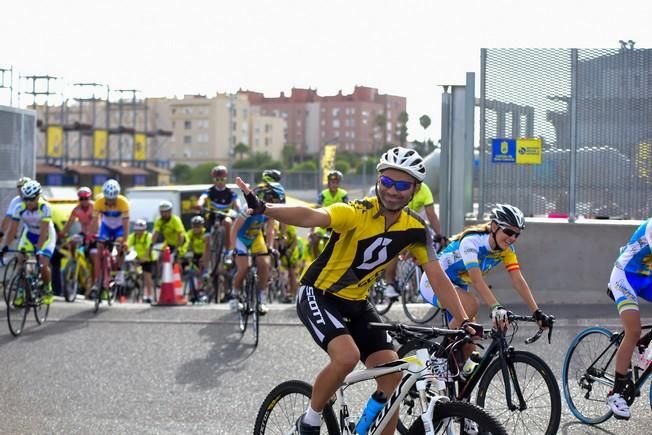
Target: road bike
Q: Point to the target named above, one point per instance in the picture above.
(77, 272)
(194, 280)
(589, 368)
(218, 272)
(516, 386)
(24, 293)
(9, 268)
(286, 402)
(108, 267)
(248, 298)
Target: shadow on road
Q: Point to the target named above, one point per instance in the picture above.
(576, 427)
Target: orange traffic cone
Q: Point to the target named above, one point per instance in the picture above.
(167, 296)
(178, 286)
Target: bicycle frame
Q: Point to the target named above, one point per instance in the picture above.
(418, 370)
(600, 375)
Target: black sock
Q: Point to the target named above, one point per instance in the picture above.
(620, 383)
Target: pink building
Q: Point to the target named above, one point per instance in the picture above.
(351, 121)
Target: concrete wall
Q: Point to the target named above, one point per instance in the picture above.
(565, 262)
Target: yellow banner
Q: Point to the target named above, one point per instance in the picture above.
(55, 141)
(528, 151)
(100, 139)
(140, 147)
(328, 161)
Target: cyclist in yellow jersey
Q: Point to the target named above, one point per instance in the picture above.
(424, 205)
(195, 250)
(111, 216)
(329, 196)
(291, 251)
(332, 297)
(170, 227)
(141, 241)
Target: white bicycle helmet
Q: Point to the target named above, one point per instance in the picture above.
(197, 220)
(403, 159)
(505, 214)
(30, 189)
(165, 206)
(111, 189)
(21, 182)
(140, 224)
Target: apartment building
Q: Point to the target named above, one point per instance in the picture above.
(351, 121)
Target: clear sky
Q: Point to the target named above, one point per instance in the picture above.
(408, 47)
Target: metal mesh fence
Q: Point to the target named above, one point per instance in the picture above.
(592, 110)
(17, 150)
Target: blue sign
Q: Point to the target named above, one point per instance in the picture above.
(503, 150)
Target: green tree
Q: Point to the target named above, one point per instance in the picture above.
(288, 154)
(257, 161)
(402, 129)
(380, 124)
(425, 123)
(181, 173)
(241, 149)
(343, 166)
(305, 166)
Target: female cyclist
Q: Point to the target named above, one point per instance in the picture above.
(477, 250)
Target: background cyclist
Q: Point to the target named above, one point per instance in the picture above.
(222, 198)
(141, 242)
(39, 234)
(196, 246)
(631, 278)
(111, 216)
(170, 227)
(329, 196)
(83, 213)
(254, 234)
(366, 235)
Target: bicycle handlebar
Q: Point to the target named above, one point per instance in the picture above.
(520, 318)
(414, 330)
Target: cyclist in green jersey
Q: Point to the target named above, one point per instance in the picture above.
(329, 196)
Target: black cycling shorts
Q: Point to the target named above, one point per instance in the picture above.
(147, 266)
(327, 316)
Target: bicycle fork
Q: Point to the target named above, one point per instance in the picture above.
(509, 372)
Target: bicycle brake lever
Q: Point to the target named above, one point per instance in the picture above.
(535, 337)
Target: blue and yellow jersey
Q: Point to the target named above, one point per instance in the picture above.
(33, 218)
(112, 215)
(636, 256)
(474, 250)
(252, 227)
(360, 247)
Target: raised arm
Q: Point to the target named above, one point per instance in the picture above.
(297, 215)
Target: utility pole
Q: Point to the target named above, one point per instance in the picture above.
(34, 79)
(84, 128)
(10, 84)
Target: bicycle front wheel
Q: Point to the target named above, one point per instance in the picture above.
(377, 297)
(537, 383)
(7, 277)
(588, 374)
(284, 405)
(41, 310)
(17, 304)
(70, 281)
(416, 308)
(459, 418)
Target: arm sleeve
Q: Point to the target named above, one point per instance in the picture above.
(343, 217)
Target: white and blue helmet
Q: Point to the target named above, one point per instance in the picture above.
(111, 189)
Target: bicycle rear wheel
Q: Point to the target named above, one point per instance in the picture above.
(452, 417)
(284, 405)
(217, 245)
(255, 316)
(17, 304)
(416, 308)
(540, 393)
(588, 374)
(244, 300)
(70, 281)
(377, 297)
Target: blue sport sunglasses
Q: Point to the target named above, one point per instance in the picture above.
(401, 186)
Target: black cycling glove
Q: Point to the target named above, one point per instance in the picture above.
(256, 205)
(545, 319)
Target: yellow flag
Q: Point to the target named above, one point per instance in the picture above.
(100, 139)
(140, 147)
(328, 161)
(55, 141)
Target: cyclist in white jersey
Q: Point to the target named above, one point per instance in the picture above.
(631, 278)
(39, 234)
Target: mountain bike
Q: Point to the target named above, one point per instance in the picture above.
(588, 373)
(77, 271)
(24, 293)
(217, 239)
(133, 271)
(517, 387)
(248, 298)
(287, 401)
(193, 280)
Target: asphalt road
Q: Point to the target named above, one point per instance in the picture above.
(135, 369)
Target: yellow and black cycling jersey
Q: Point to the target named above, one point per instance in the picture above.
(360, 247)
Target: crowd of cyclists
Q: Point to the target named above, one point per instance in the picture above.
(351, 243)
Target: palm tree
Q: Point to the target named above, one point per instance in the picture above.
(241, 149)
(402, 132)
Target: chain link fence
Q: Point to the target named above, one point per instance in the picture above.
(592, 110)
(17, 150)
